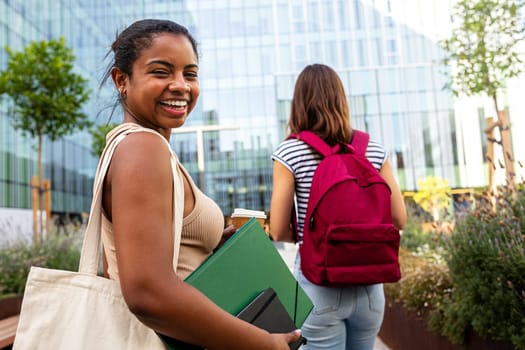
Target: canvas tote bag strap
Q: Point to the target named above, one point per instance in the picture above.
(90, 254)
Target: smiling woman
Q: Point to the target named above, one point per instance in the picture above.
(157, 226)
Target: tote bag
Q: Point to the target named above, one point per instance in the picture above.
(79, 310)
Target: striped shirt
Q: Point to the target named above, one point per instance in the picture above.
(302, 161)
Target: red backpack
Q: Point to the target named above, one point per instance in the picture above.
(348, 236)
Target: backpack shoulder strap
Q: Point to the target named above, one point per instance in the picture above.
(314, 141)
(360, 141)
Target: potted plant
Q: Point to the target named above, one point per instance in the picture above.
(464, 289)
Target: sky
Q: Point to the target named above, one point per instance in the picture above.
(429, 17)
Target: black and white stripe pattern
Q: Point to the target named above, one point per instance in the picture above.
(302, 161)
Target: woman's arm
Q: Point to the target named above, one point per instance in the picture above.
(140, 183)
(282, 203)
(399, 214)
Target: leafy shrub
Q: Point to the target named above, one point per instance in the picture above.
(518, 204)
(15, 262)
(413, 235)
(57, 252)
(407, 261)
(426, 288)
(486, 259)
(425, 283)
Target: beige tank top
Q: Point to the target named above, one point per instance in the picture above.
(202, 230)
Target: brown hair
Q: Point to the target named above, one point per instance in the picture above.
(319, 104)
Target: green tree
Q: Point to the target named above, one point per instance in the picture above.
(98, 134)
(483, 54)
(46, 96)
(433, 195)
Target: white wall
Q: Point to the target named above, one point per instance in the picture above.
(15, 224)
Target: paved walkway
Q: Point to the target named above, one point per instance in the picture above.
(288, 252)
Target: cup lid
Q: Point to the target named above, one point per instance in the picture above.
(240, 212)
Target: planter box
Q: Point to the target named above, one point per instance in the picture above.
(10, 306)
(403, 329)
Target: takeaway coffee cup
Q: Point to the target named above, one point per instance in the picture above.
(241, 216)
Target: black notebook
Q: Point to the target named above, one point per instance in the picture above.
(267, 312)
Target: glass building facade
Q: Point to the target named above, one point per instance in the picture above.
(385, 51)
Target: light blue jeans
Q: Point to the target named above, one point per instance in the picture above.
(346, 318)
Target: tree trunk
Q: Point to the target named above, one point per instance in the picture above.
(489, 131)
(40, 186)
(34, 202)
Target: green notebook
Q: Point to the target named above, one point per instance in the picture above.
(244, 266)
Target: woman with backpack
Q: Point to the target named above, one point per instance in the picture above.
(344, 316)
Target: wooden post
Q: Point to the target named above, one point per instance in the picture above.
(34, 204)
(506, 145)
